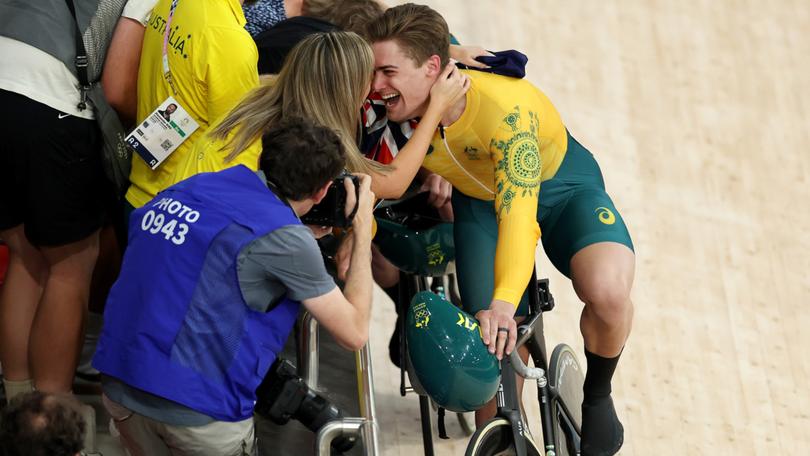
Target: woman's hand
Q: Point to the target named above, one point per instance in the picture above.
(467, 55)
(448, 88)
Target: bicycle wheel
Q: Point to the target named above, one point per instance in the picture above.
(566, 376)
(495, 439)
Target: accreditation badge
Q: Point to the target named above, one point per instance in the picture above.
(162, 132)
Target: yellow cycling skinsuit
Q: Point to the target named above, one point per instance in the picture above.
(508, 141)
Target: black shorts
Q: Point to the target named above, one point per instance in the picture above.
(51, 177)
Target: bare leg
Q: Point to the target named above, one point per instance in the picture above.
(19, 297)
(56, 334)
(603, 276)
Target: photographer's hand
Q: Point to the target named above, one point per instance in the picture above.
(365, 206)
(361, 224)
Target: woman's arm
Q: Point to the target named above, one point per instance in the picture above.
(467, 55)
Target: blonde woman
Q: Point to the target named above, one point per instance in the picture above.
(325, 78)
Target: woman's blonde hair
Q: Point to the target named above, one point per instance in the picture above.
(325, 78)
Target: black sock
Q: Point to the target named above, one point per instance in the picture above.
(602, 433)
(598, 376)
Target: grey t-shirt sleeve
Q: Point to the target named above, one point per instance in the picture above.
(286, 262)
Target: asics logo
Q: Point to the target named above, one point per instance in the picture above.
(605, 215)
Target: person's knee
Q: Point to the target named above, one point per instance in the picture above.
(23, 254)
(74, 260)
(607, 297)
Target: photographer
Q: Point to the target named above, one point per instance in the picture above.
(210, 289)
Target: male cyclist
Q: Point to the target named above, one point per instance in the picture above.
(496, 146)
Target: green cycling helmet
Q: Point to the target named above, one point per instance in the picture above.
(451, 361)
(425, 252)
(412, 236)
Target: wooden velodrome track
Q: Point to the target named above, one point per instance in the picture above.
(698, 113)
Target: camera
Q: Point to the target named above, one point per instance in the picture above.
(331, 211)
(283, 395)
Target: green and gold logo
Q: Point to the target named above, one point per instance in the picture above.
(421, 315)
(435, 255)
(605, 215)
(466, 322)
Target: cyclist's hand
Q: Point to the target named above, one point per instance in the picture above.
(440, 190)
(498, 327)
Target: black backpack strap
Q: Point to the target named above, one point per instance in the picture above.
(81, 59)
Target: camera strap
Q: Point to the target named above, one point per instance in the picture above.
(276, 191)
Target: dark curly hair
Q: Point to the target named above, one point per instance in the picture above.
(40, 424)
(299, 157)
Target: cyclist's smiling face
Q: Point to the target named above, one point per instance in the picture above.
(401, 82)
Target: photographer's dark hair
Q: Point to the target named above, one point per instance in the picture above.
(40, 424)
(299, 157)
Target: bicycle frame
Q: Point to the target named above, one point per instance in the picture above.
(531, 335)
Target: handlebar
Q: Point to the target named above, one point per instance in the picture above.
(525, 332)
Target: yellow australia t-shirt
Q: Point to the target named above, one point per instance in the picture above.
(213, 61)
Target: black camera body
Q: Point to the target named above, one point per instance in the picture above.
(283, 395)
(331, 211)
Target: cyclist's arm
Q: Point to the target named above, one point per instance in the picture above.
(515, 153)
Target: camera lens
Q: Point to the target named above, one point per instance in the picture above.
(283, 395)
(315, 411)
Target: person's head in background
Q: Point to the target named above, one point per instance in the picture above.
(411, 48)
(41, 424)
(349, 15)
(275, 42)
(325, 79)
(296, 179)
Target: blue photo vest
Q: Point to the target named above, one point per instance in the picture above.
(176, 324)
